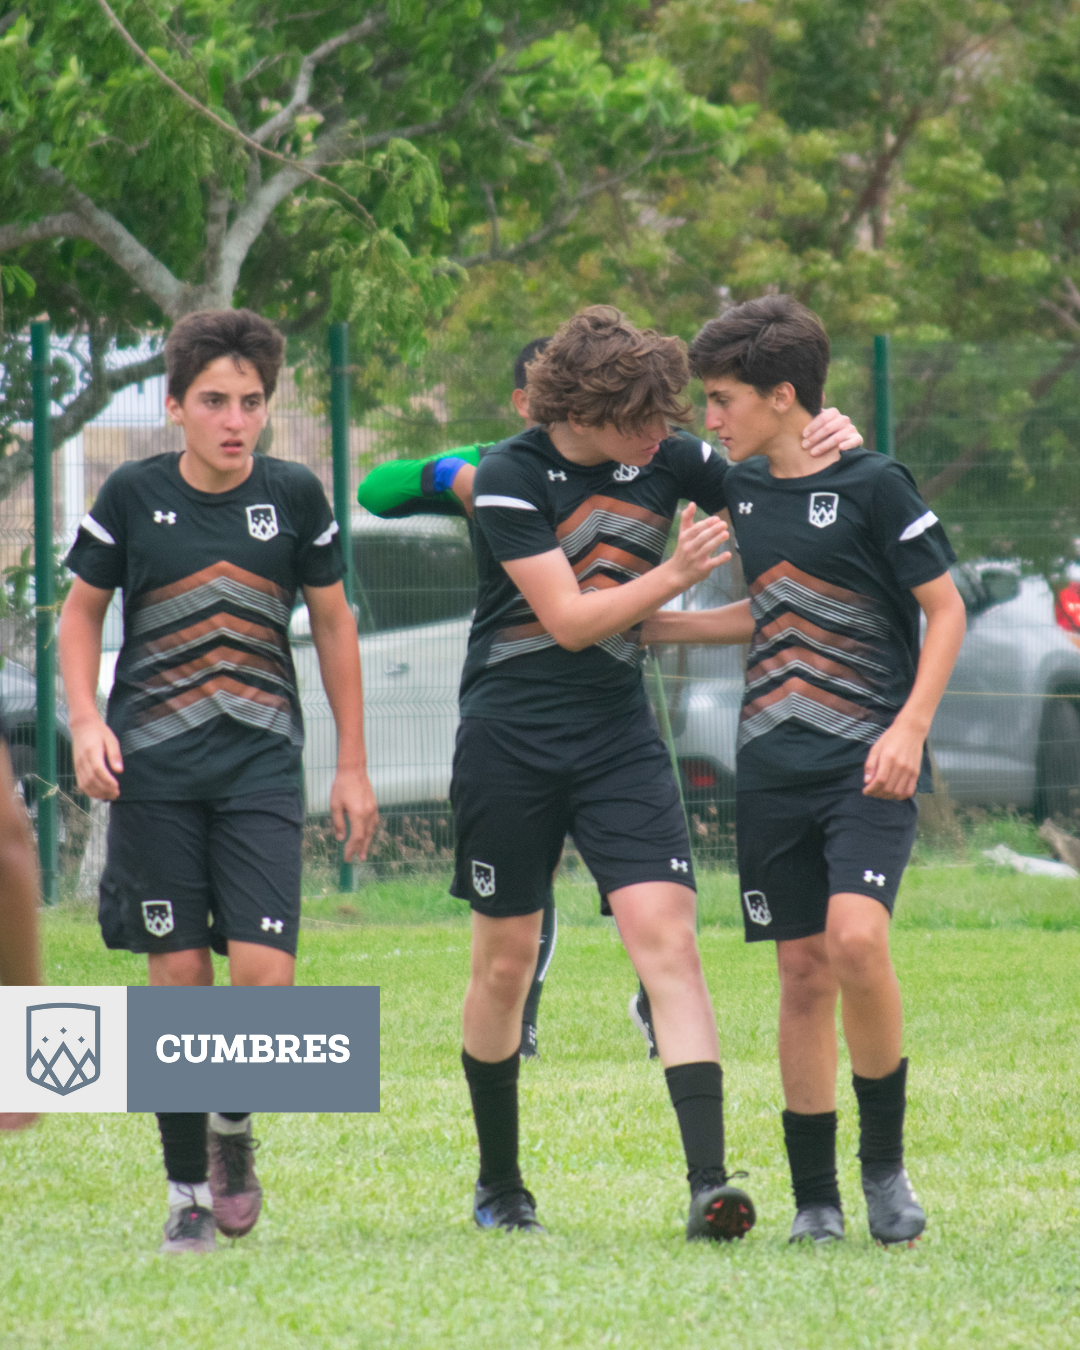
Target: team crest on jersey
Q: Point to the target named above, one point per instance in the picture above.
(757, 907)
(626, 473)
(483, 879)
(62, 1046)
(823, 508)
(262, 522)
(158, 917)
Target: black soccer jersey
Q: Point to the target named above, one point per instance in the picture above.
(612, 521)
(205, 703)
(830, 560)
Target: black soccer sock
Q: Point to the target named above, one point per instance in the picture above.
(881, 1120)
(493, 1089)
(811, 1150)
(548, 933)
(183, 1141)
(697, 1094)
(234, 1115)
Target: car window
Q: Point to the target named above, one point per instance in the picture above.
(404, 580)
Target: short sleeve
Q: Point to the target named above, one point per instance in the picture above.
(511, 510)
(908, 532)
(321, 561)
(700, 471)
(99, 553)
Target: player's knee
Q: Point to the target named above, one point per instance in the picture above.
(805, 977)
(507, 974)
(670, 950)
(186, 967)
(858, 953)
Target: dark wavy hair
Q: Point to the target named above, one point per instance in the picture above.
(204, 336)
(599, 369)
(766, 342)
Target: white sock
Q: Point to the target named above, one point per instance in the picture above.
(222, 1126)
(181, 1192)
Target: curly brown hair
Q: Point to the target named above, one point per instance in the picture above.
(202, 337)
(600, 369)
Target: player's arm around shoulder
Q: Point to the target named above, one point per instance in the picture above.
(406, 487)
(729, 624)
(352, 798)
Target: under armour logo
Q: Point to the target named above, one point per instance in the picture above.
(164, 517)
(680, 865)
(554, 474)
(745, 508)
(878, 878)
(276, 924)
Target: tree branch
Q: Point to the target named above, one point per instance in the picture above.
(302, 88)
(65, 225)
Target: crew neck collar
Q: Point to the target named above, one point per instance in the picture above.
(197, 494)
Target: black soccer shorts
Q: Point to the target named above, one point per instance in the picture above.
(799, 845)
(181, 874)
(518, 790)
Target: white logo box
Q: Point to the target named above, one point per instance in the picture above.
(49, 1033)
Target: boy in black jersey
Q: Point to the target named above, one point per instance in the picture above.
(839, 558)
(556, 734)
(200, 753)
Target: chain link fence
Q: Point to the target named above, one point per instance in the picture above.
(991, 433)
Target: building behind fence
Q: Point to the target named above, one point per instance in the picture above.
(991, 433)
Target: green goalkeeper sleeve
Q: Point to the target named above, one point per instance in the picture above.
(414, 487)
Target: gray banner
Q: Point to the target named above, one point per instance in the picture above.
(279, 1049)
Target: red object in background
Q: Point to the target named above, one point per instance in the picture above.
(1067, 608)
(699, 775)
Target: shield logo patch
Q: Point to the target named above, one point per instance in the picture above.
(262, 522)
(158, 917)
(626, 473)
(62, 1046)
(757, 907)
(483, 879)
(823, 508)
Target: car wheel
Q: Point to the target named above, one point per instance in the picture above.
(1058, 760)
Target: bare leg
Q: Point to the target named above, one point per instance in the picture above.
(807, 1040)
(504, 954)
(857, 941)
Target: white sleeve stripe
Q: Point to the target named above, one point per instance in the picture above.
(90, 525)
(918, 527)
(706, 450)
(326, 535)
(515, 502)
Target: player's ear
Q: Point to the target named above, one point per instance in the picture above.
(520, 399)
(174, 408)
(782, 397)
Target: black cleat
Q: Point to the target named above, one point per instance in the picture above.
(892, 1208)
(818, 1224)
(513, 1210)
(641, 1016)
(190, 1228)
(529, 1049)
(719, 1211)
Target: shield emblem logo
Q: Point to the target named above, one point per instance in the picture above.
(823, 508)
(757, 907)
(483, 879)
(626, 473)
(158, 917)
(62, 1046)
(262, 522)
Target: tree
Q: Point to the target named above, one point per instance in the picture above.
(347, 162)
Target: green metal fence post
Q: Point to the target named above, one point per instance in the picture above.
(883, 411)
(339, 445)
(45, 593)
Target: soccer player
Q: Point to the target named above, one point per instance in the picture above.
(19, 898)
(200, 752)
(557, 737)
(840, 557)
(442, 485)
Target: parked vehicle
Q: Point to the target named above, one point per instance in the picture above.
(18, 701)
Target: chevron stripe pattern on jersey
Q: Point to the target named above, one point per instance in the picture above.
(607, 542)
(818, 657)
(213, 644)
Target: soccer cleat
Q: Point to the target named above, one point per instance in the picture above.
(818, 1224)
(719, 1211)
(513, 1210)
(892, 1208)
(529, 1048)
(641, 1016)
(233, 1183)
(189, 1228)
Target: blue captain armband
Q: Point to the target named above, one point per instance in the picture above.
(446, 470)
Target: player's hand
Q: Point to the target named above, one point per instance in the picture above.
(830, 430)
(892, 766)
(695, 554)
(353, 798)
(17, 1120)
(97, 756)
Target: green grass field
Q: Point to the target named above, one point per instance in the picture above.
(366, 1238)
